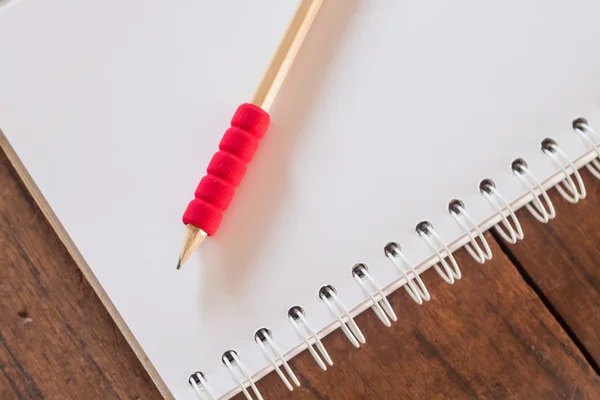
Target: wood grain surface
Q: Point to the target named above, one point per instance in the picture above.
(57, 341)
(562, 260)
(486, 337)
(523, 326)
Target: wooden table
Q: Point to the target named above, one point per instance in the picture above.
(525, 325)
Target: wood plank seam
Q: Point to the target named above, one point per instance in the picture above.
(529, 281)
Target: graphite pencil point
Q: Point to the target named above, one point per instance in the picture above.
(193, 237)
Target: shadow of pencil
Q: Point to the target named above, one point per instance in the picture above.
(230, 255)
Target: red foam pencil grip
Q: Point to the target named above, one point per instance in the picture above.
(227, 168)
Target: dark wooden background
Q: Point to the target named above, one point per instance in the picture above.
(523, 326)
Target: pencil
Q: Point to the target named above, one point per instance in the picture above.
(249, 124)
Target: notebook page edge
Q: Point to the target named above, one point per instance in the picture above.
(85, 269)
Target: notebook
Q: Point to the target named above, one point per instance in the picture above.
(393, 109)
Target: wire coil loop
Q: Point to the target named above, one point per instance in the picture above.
(567, 188)
(458, 212)
(437, 245)
(332, 301)
(381, 306)
(592, 139)
(200, 386)
(511, 232)
(296, 314)
(417, 291)
(231, 359)
(275, 357)
(541, 212)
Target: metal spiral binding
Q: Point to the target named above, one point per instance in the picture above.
(571, 188)
(199, 384)
(231, 359)
(592, 139)
(566, 188)
(438, 245)
(381, 307)
(263, 336)
(541, 212)
(349, 327)
(297, 314)
(418, 292)
(458, 212)
(488, 189)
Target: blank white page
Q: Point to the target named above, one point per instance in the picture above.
(392, 109)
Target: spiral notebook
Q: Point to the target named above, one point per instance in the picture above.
(405, 129)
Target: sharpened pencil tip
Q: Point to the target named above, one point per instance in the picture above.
(193, 237)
